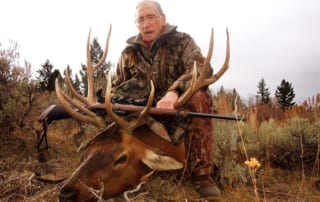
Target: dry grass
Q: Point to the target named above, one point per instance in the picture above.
(19, 161)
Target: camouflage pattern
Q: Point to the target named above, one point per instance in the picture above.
(170, 57)
(200, 135)
(166, 62)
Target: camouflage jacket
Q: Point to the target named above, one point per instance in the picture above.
(169, 57)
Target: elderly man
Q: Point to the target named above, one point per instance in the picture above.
(162, 54)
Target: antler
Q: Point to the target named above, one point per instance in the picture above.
(82, 113)
(129, 126)
(201, 81)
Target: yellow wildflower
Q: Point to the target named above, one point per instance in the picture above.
(253, 164)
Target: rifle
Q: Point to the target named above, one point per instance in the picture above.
(121, 108)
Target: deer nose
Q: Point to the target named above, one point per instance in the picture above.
(68, 195)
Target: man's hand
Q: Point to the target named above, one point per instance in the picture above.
(167, 102)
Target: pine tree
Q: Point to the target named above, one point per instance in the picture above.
(52, 79)
(285, 95)
(263, 94)
(46, 77)
(84, 77)
(77, 83)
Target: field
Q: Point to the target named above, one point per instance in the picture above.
(20, 162)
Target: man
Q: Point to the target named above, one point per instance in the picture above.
(162, 54)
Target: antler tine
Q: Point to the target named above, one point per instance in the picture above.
(74, 108)
(72, 89)
(129, 126)
(202, 81)
(91, 69)
(111, 114)
(90, 80)
(206, 65)
(222, 70)
(136, 122)
(90, 118)
(105, 53)
(225, 65)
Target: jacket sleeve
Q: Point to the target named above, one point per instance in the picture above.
(190, 53)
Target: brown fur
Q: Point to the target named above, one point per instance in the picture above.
(115, 159)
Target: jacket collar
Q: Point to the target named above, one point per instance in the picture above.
(138, 39)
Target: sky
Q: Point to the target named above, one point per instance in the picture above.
(270, 39)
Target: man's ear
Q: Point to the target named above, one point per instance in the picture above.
(163, 20)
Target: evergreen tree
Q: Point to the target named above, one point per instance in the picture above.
(46, 77)
(77, 83)
(285, 95)
(52, 79)
(84, 77)
(263, 94)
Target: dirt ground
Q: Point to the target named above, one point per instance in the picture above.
(19, 167)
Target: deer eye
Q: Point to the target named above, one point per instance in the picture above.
(122, 159)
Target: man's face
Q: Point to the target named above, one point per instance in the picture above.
(149, 22)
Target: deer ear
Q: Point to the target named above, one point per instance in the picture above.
(160, 162)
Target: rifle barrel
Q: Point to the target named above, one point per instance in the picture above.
(168, 112)
(217, 116)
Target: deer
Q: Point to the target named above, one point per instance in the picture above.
(128, 149)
